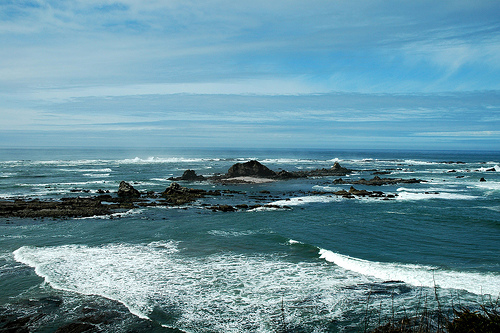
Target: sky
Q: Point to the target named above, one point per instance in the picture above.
(336, 74)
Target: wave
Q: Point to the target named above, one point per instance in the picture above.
(418, 275)
(405, 194)
(297, 201)
(236, 292)
(7, 174)
(232, 233)
(222, 292)
(129, 212)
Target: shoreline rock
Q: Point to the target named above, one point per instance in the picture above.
(188, 175)
(377, 181)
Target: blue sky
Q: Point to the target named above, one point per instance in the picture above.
(296, 74)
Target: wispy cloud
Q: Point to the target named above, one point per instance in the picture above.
(306, 70)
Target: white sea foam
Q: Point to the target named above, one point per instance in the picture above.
(496, 167)
(418, 275)
(96, 175)
(161, 160)
(130, 212)
(87, 170)
(232, 233)
(297, 201)
(405, 194)
(488, 185)
(222, 292)
(7, 174)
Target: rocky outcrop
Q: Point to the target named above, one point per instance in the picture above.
(257, 170)
(46, 314)
(377, 181)
(250, 169)
(188, 175)
(127, 191)
(176, 194)
(67, 207)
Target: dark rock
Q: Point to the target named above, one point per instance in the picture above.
(356, 192)
(249, 169)
(377, 181)
(482, 180)
(222, 208)
(67, 207)
(188, 175)
(242, 206)
(339, 169)
(78, 328)
(283, 174)
(125, 190)
(381, 173)
(176, 194)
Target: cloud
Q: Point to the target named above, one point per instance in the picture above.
(462, 134)
(357, 70)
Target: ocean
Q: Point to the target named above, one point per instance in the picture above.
(320, 263)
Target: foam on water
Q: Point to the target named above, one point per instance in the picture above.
(224, 292)
(418, 275)
(297, 201)
(229, 292)
(161, 160)
(129, 212)
(7, 174)
(232, 233)
(405, 194)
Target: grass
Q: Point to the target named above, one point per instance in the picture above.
(484, 319)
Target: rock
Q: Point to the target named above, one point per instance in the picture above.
(283, 174)
(482, 179)
(125, 190)
(188, 175)
(251, 168)
(356, 192)
(77, 328)
(191, 175)
(67, 207)
(176, 194)
(377, 181)
(336, 168)
(222, 208)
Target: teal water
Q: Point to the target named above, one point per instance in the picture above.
(313, 266)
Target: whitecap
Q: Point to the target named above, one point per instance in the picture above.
(418, 275)
(239, 293)
(405, 194)
(130, 212)
(297, 201)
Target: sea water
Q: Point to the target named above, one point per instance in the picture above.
(320, 264)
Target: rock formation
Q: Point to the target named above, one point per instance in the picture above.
(179, 195)
(188, 175)
(125, 190)
(250, 169)
(377, 181)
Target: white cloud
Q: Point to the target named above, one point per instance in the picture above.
(462, 134)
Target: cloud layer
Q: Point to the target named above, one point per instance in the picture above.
(319, 73)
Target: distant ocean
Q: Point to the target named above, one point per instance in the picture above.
(313, 266)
